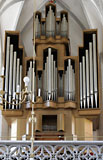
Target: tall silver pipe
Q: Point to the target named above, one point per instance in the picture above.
(52, 83)
(20, 84)
(54, 80)
(87, 78)
(65, 86)
(33, 82)
(44, 85)
(11, 73)
(91, 73)
(57, 28)
(47, 77)
(64, 27)
(14, 76)
(45, 81)
(81, 85)
(7, 68)
(18, 72)
(84, 80)
(17, 79)
(50, 22)
(71, 83)
(69, 80)
(37, 26)
(30, 75)
(95, 69)
(49, 74)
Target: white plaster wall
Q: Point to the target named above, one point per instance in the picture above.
(94, 19)
(26, 37)
(9, 18)
(75, 35)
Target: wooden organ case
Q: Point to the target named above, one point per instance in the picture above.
(63, 81)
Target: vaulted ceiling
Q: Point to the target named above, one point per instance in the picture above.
(83, 14)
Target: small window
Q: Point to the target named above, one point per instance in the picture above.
(49, 122)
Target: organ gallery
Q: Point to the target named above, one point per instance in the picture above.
(64, 90)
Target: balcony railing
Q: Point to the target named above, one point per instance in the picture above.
(52, 150)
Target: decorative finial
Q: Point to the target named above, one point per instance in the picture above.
(52, 1)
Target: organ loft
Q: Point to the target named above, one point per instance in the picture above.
(64, 90)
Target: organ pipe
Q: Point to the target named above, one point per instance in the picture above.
(90, 62)
(20, 84)
(37, 26)
(84, 80)
(50, 77)
(17, 78)
(32, 84)
(69, 79)
(91, 73)
(54, 80)
(52, 84)
(64, 26)
(14, 76)
(81, 86)
(87, 77)
(95, 69)
(7, 68)
(49, 73)
(50, 23)
(11, 73)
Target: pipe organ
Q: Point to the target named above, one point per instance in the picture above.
(64, 24)
(88, 69)
(50, 76)
(37, 27)
(68, 86)
(51, 26)
(69, 79)
(31, 73)
(13, 70)
(50, 21)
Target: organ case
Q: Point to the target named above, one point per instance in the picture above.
(89, 73)
(13, 63)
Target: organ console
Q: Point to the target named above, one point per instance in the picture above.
(68, 86)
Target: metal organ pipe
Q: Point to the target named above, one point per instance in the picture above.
(64, 26)
(87, 77)
(33, 82)
(52, 83)
(20, 84)
(81, 85)
(69, 79)
(32, 77)
(50, 23)
(50, 77)
(37, 26)
(11, 73)
(17, 79)
(91, 73)
(95, 69)
(84, 80)
(57, 28)
(7, 68)
(14, 76)
(54, 79)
